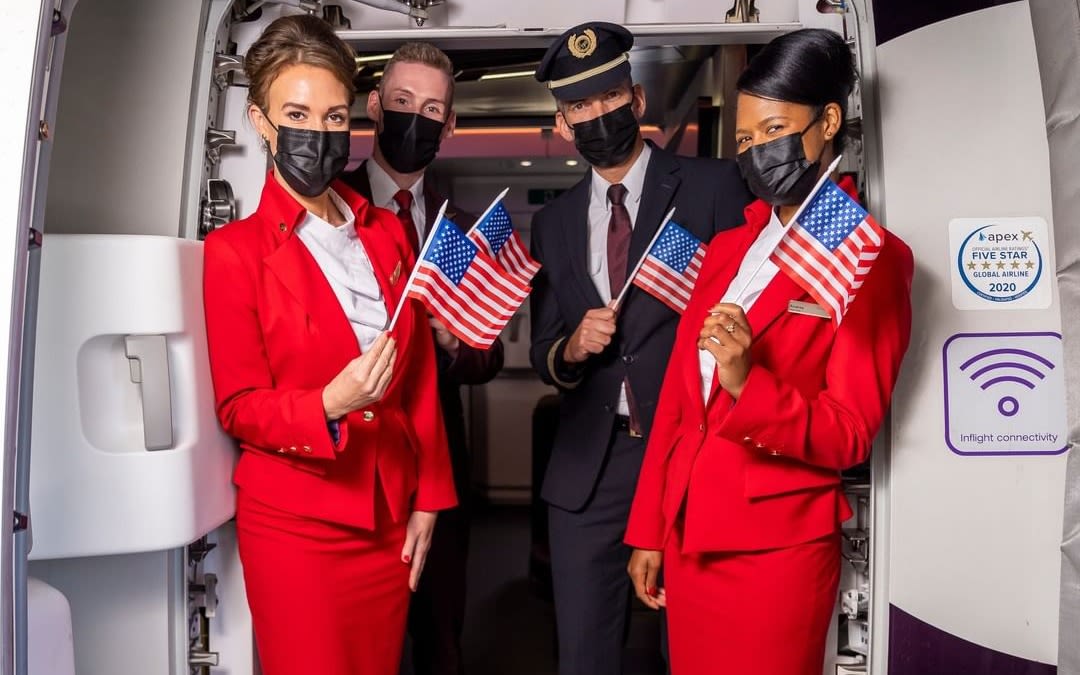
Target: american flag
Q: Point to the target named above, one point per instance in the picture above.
(464, 288)
(495, 235)
(830, 248)
(671, 267)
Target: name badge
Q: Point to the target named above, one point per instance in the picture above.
(807, 308)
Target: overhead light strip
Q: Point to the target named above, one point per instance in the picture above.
(507, 76)
(375, 58)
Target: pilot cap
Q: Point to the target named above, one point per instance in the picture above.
(586, 60)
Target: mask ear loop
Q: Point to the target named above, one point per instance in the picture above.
(817, 118)
(265, 140)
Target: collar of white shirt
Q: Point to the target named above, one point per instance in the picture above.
(633, 181)
(383, 187)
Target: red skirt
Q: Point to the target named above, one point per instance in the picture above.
(762, 612)
(324, 598)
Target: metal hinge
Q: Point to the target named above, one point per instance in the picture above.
(35, 238)
(22, 521)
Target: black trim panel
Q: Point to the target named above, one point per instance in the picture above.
(893, 18)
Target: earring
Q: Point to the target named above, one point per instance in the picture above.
(265, 143)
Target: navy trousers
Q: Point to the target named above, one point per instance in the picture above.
(588, 566)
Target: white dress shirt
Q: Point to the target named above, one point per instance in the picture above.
(755, 273)
(343, 260)
(600, 218)
(383, 189)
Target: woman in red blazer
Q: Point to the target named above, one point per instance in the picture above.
(343, 453)
(739, 495)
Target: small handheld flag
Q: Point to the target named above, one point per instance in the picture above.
(829, 248)
(495, 235)
(463, 287)
(671, 267)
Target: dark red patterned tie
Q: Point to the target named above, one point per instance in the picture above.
(618, 238)
(618, 254)
(404, 214)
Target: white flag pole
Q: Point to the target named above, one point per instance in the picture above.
(412, 275)
(637, 267)
(802, 207)
(489, 210)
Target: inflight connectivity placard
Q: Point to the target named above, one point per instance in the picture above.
(1004, 394)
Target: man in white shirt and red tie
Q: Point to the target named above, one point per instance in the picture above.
(413, 113)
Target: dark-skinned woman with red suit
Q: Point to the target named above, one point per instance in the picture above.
(766, 399)
(343, 457)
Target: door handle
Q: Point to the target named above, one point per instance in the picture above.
(148, 358)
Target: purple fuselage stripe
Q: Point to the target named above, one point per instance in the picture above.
(917, 648)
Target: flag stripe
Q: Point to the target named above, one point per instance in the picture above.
(435, 301)
(672, 300)
(658, 280)
(467, 335)
(676, 305)
(503, 286)
(436, 282)
(798, 248)
(441, 301)
(794, 267)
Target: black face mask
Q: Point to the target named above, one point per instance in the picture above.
(778, 172)
(608, 140)
(409, 141)
(308, 159)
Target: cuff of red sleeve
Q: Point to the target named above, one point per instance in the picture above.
(435, 499)
(646, 533)
(321, 442)
(749, 420)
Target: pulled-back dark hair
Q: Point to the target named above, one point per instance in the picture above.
(812, 66)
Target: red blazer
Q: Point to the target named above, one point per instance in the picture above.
(277, 336)
(764, 471)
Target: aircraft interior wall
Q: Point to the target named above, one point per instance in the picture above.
(973, 531)
(121, 133)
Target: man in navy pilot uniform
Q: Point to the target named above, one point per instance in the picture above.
(607, 365)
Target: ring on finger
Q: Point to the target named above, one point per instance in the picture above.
(730, 328)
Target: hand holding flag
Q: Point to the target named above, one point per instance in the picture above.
(495, 235)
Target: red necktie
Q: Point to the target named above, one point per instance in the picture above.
(618, 254)
(404, 214)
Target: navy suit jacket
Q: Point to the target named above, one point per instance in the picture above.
(709, 196)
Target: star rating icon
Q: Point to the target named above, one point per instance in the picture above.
(1016, 264)
(1030, 265)
(1001, 265)
(971, 266)
(986, 265)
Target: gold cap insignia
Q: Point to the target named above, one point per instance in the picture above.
(582, 45)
